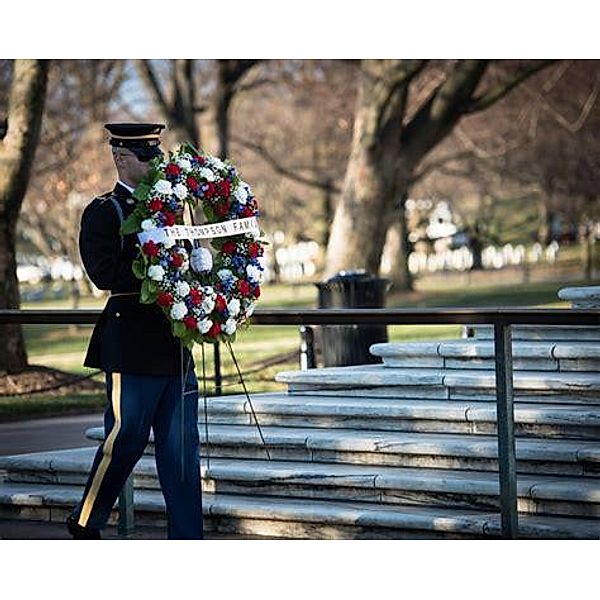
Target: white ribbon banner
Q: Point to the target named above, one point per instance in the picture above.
(199, 232)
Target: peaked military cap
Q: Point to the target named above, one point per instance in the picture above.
(134, 135)
(143, 139)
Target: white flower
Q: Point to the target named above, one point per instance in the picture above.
(184, 164)
(217, 162)
(224, 274)
(250, 308)
(204, 325)
(241, 193)
(262, 261)
(206, 174)
(163, 187)
(182, 288)
(156, 273)
(168, 242)
(201, 260)
(180, 191)
(254, 273)
(233, 307)
(208, 304)
(178, 311)
(148, 224)
(230, 326)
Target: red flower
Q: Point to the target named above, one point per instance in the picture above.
(224, 188)
(257, 291)
(229, 248)
(220, 303)
(155, 204)
(244, 287)
(222, 208)
(247, 212)
(169, 218)
(215, 330)
(254, 250)
(176, 260)
(150, 248)
(172, 170)
(200, 159)
(209, 192)
(165, 299)
(190, 322)
(192, 183)
(195, 296)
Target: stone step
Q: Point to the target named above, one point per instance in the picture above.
(392, 414)
(474, 354)
(553, 333)
(301, 519)
(428, 450)
(378, 381)
(388, 485)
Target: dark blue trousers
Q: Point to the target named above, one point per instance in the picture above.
(137, 403)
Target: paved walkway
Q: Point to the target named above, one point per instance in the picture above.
(54, 433)
(13, 529)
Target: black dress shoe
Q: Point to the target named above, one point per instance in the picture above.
(81, 533)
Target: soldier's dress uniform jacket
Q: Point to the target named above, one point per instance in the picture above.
(129, 337)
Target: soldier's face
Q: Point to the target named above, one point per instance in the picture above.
(129, 166)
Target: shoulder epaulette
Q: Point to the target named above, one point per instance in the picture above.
(104, 197)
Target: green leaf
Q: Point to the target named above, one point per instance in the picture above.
(131, 224)
(148, 292)
(179, 329)
(141, 191)
(139, 267)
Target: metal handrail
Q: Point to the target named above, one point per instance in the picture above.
(348, 316)
(501, 318)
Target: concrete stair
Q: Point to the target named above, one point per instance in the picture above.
(245, 497)
(466, 452)
(380, 381)
(470, 354)
(401, 449)
(279, 409)
(553, 333)
(538, 494)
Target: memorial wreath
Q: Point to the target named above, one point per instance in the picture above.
(205, 298)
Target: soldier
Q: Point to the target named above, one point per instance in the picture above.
(142, 360)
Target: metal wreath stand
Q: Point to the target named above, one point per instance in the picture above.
(184, 376)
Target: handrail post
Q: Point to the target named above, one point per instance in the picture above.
(218, 376)
(507, 462)
(126, 522)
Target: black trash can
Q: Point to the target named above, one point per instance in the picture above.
(344, 345)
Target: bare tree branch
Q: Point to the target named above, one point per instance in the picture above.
(252, 85)
(586, 109)
(500, 90)
(437, 115)
(285, 171)
(148, 75)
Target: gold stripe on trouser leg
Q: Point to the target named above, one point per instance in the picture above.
(108, 446)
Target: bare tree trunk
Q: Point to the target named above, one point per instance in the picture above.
(356, 239)
(26, 105)
(398, 246)
(386, 150)
(586, 238)
(179, 108)
(231, 72)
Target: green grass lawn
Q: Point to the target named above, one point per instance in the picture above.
(64, 347)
